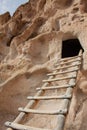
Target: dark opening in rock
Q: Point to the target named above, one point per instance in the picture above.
(71, 48)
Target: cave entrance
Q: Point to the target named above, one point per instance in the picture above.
(71, 48)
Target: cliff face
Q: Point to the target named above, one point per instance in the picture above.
(31, 44)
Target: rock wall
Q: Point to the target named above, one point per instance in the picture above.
(31, 44)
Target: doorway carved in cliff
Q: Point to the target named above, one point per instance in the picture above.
(71, 47)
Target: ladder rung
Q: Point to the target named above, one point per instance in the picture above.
(49, 97)
(58, 79)
(70, 61)
(68, 66)
(21, 127)
(69, 58)
(64, 72)
(43, 111)
(56, 87)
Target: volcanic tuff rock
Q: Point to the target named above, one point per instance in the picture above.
(30, 45)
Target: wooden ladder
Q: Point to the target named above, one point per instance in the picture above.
(73, 65)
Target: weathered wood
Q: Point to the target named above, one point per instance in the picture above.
(69, 58)
(69, 61)
(63, 72)
(61, 122)
(58, 79)
(65, 105)
(21, 127)
(67, 66)
(56, 87)
(55, 112)
(80, 52)
(49, 97)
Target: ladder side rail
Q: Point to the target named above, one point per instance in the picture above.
(66, 104)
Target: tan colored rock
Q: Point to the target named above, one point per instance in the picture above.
(30, 46)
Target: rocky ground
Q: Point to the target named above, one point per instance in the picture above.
(30, 45)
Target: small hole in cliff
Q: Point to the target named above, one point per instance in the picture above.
(71, 48)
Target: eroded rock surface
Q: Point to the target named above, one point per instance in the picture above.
(31, 44)
(4, 18)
